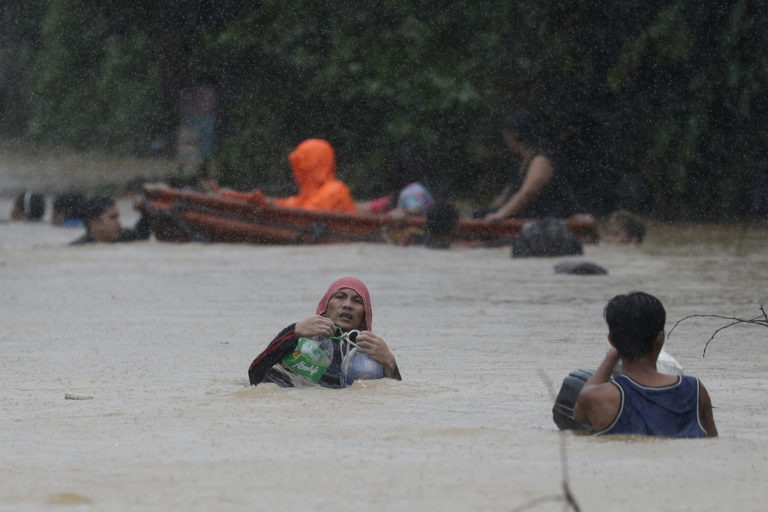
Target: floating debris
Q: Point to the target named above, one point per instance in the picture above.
(580, 268)
(73, 396)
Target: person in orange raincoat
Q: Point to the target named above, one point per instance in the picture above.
(314, 169)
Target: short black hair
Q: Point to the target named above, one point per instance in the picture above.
(634, 321)
(70, 204)
(442, 218)
(95, 206)
(527, 127)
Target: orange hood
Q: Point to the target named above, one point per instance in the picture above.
(314, 170)
(313, 163)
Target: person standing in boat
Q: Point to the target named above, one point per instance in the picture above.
(539, 189)
(344, 312)
(641, 400)
(314, 170)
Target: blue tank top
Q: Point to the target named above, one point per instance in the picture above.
(671, 411)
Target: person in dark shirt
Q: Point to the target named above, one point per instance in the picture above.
(539, 188)
(343, 310)
(641, 400)
(102, 223)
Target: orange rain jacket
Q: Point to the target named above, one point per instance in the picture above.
(314, 169)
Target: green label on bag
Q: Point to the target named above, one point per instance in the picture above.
(308, 360)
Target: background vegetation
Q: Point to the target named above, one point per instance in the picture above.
(665, 97)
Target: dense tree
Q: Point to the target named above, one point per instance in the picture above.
(667, 95)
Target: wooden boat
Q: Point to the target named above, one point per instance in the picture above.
(183, 216)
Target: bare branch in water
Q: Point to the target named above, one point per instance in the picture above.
(733, 320)
(567, 495)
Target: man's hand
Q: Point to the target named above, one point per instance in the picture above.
(314, 326)
(372, 345)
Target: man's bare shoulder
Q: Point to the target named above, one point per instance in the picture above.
(598, 403)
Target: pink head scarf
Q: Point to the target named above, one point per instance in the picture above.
(359, 287)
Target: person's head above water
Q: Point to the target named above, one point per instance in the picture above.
(28, 206)
(348, 303)
(101, 219)
(635, 321)
(622, 227)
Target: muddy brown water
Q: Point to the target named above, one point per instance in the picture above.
(157, 338)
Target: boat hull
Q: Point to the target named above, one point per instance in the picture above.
(183, 216)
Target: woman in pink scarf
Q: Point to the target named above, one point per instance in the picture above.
(345, 307)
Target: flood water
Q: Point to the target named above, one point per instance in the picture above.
(158, 338)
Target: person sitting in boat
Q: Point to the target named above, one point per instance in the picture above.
(641, 400)
(102, 222)
(314, 170)
(407, 195)
(539, 189)
(330, 349)
(28, 206)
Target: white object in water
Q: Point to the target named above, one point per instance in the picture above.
(668, 364)
(359, 366)
(664, 364)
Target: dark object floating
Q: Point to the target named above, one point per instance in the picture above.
(562, 411)
(547, 237)
(583, 268)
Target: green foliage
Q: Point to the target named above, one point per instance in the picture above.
(130, 90)
(673, 92)
(91, 87)
(18, 39)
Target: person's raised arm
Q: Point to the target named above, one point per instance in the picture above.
(590, 396)
(540, 171)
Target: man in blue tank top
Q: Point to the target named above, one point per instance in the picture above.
(642, 400)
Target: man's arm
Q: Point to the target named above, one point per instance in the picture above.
(595, 392)
(286, 342)
(283, 344)
(538, 175)
(705, 412)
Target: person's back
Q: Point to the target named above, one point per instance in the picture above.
(642, 400)
(671, 411)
